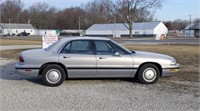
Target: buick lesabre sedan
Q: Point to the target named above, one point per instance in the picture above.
(91, 57)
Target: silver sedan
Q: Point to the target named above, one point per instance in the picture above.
(92, 57)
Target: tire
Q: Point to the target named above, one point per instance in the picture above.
(53, 75)
(148, 74)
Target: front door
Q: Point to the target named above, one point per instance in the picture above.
(111, 61)
(79, 59)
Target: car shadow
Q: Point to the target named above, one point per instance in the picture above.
(105, 79)
(8, 73)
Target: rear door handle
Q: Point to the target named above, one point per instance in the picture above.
(66, 57)
(102, 57)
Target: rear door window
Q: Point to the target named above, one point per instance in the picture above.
(78, 47)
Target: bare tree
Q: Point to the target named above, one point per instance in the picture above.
(129, 10)
(10, 9)
(97, 12)
(144, 16)
(177, 24)
(69, 18)
(23, 16)
(42, 15)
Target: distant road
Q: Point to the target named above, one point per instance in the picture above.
(124, 40)
(169, 41)
(9, 47)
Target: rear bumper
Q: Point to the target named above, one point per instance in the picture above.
(27, 71)
(170, 71)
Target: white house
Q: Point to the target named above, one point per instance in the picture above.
(150, 29)
(13, 28)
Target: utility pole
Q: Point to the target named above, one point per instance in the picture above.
(9, 26)
(0, 16)
(29, 21)
(189, 24)
(1, 32)
(18, 16)
(79, 25)
(114, 35)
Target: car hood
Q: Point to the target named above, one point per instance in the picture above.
(144, 54)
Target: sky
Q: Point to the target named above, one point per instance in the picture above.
(178, 9)
(171, 9)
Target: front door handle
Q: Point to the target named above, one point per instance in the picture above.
(102, 57)
(66, 57)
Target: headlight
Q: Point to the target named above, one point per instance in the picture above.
(173, 63)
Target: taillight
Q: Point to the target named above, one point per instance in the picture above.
(21, 59)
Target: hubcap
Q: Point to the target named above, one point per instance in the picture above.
(53, 76)
(149, 74)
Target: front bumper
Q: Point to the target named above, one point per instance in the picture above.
(27, 71)
(171, 70)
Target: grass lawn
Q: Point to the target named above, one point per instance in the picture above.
(186, 55)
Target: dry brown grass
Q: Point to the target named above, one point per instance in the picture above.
(19, 42)
(11, 54)
(186, 55)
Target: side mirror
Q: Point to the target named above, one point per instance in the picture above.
(117, 54)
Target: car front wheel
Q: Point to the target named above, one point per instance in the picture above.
(53, 75)
(148, 74)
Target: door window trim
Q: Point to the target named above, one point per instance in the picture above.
(90, 41)
(107, 43)
(111, 44)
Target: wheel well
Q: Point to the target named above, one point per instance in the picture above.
(50, 63)
(158, 65)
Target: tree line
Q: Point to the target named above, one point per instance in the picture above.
(43, 16)
(179, 24)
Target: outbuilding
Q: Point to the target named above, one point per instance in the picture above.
(192, 30)
(140, 29)
(14, 29)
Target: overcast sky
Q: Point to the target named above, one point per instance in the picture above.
(171, 10)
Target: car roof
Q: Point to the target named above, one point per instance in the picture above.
(84, 38)
(64, 40)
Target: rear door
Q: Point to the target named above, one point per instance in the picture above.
(112, 61)
(79, 59)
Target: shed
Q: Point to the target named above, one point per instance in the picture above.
(187, 32)
(195, 27)
(13, 28)
(144, 29)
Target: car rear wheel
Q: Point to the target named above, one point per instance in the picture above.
(53, 75)
(148, 74)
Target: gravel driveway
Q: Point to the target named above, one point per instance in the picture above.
(20, 93)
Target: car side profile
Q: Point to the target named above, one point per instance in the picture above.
(93, 57)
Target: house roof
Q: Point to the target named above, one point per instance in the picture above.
(193, 26)
(121, 26)
(196, 26)
(16, 26)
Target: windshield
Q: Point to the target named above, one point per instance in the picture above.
(52, 45)
(122, 47)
